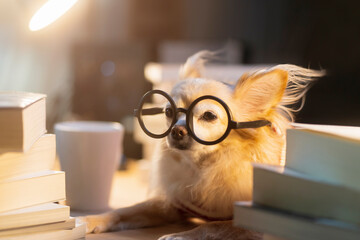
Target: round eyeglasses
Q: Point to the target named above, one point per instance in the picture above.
(208, 118)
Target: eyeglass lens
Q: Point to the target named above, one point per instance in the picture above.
(156, 116)
(208, 120)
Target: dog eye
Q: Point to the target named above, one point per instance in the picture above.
(208, 116)
(169, 112)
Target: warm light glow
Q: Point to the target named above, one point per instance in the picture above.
(153, 72)
(49, 12)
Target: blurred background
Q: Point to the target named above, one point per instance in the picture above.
(91, 60)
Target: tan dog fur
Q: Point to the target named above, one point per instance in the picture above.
(207, 180)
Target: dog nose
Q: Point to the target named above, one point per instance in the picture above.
(178, 132)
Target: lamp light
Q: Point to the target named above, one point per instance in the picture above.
(49, 13)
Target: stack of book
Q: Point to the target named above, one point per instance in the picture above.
(29, 188)
(316, 195)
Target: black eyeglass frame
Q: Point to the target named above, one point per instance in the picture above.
(231, 123)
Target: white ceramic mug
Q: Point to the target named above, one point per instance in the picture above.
(89, 153)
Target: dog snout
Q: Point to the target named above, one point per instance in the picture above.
(178, 132)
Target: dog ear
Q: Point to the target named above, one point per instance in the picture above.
(262, 91)
(195, 64)
(281, 87)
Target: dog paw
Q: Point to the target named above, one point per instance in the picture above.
(97, 223)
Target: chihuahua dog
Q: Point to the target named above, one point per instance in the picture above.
(199, 180)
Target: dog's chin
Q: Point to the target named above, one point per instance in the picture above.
(179, 146)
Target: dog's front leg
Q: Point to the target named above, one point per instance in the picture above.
(215, 231)
(146, 214)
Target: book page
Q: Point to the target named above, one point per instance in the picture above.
(341, 131)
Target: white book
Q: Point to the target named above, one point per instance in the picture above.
(331, 153)
(35, 215)
(40, 157)
(177, 51)
(32, 189)
(285, 189)
(64, 225)
(22, 120)
(157, 73)
(291, 226)
(65, 234)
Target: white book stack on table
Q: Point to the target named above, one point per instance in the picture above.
(316, 195)
(29, 188)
